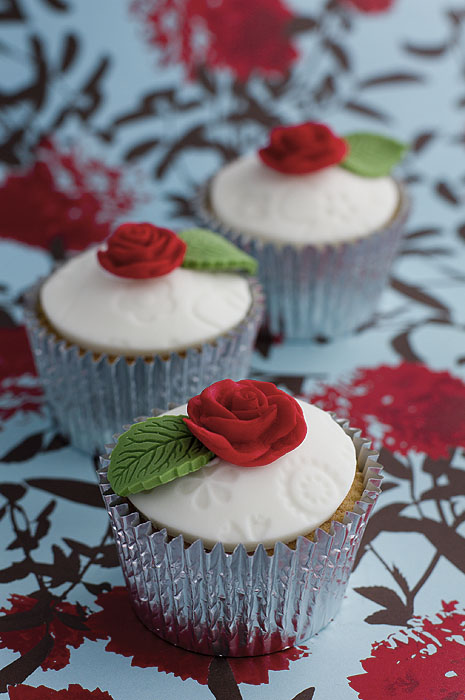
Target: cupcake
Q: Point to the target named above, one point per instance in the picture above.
(324, 218)
(148, 319)
(237, 518)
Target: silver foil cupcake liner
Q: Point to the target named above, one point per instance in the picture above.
(239, 604)
(318, 291)
(91, 396)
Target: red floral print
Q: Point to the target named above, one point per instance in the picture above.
(426, 661)
(254, 670)
(71, 201)
(141, 251)
(64, 636)
(130, 638)
(18, 388)
(406, 407)
(73, 692)
(243, 36)
(370, 5)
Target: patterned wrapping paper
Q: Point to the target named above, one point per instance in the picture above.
(318, 290)
(153, 122)
(91, 396)
(239, 604)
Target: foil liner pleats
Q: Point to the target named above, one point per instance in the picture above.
(239, 604)
(91, 396)
(318, 291)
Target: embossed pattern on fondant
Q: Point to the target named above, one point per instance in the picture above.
(101, 312)
(276, 502)
(329, 206)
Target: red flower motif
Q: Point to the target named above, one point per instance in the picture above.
(301, 149)
(69, 199)
(130, 638)
(370, 5)
(407, 407)
(19, 391)
(73, 692)
(254, 670)
(140, 251)
(247, 423)
(54, 614)
(243, 36)
(426, 661)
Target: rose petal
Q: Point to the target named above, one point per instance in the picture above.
(288, 415)
(211, 401)
(244, 403)
(248, 398)
(238, 431)
(266, 388)
(222, 392)
(221, 447)
(200, 410)
(292, 440)
(249, 415)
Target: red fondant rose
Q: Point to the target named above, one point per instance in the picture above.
(301, 149)
(247, 423)
(140, 251)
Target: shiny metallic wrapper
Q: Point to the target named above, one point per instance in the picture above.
(239, 604)
(318, 291)
(91, 396)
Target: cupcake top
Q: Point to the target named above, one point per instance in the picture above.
(149, 291)
(309, 186)
(262, 467)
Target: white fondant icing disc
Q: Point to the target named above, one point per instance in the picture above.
(329, 206)
(278, 502)
(105, 313)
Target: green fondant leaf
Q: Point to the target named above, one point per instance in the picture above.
(372, 155)
(154, 452)
(210, 251)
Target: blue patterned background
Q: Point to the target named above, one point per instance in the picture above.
(87, 77)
